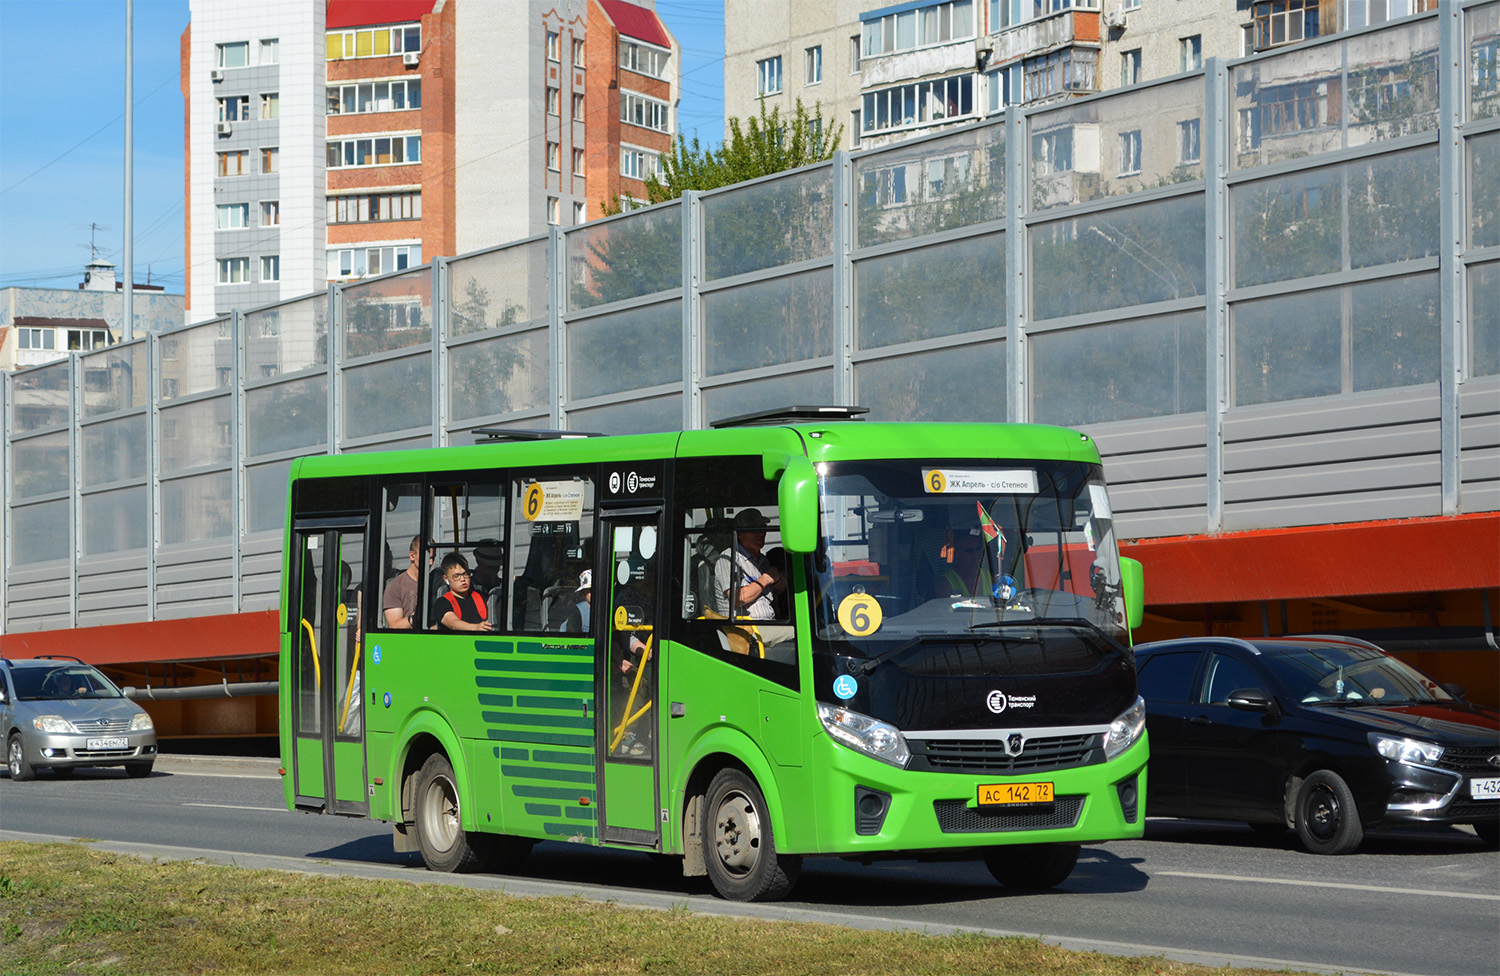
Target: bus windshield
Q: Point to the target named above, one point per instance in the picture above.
(914, 549)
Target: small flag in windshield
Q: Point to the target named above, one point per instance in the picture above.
(995, 541)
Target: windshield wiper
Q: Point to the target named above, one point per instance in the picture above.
(1072, 623)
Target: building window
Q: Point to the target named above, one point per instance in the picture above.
(270, 213)
(643, 59)
(578, 163)
(645, 112)
(1069, 70)
(579, 213)
(397, 95)
(554, 101)
(768, 76)
(370, 207)
(1284, 21)
(907, 29)
(236, 108)
(577, 105)
(813, 64)
(554, 157)
(1052, 152)
(234, 163)
(270, 105)
(86, 339)
(1130, 152)
(578, 51)
(854, 55)
(997, 83)
(1189, 147)
(36, 338)
(356, 262)
(639, 164)
(854, 129)
(1130, 67)
(270, 50)
(374, 151)
(233, 216)
(942, 99)
(552, 52)
(1192, 52)
(270, 160)
(235, 55)
(234, 271)
(270, 267)
(1131, 5)
(554, 210)
(378, 42)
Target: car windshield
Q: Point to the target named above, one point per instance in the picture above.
(63, 681)
(1016, 556)
(1350, 674)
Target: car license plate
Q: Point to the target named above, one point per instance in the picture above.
(1014, 794)
(117, 742)
(1485, 789)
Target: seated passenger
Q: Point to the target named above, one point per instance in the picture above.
(463, 607)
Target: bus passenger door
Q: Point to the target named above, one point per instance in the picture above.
(328, 678)
(626, 670)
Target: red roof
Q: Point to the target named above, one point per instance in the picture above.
(636, 22)
(363, 13)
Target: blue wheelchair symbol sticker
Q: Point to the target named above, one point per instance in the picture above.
(845, 687)
(375, 654)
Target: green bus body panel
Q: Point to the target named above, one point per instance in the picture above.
(636, 783)
(307, 776)
(349, 771)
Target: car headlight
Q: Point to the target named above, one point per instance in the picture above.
(54, 723)
(1411, 751)
(874, 738)
(1125, 730)
(141, 722)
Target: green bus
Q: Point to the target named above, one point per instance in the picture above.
(795, 634)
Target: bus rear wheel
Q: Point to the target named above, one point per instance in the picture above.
(738, 847)
(445, 845)
(1032, 866)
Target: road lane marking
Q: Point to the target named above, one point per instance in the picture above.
(1329, 884)
(232, 806)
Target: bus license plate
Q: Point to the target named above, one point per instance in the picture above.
(1014, 794)
(1485, 789)
(114, 743)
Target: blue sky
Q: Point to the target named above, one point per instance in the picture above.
(62, 130)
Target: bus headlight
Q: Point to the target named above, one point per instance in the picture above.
(874, 738)
(1125, 730)
(54, 723)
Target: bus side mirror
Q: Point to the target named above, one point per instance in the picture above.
(1133, 579)
(797, 497)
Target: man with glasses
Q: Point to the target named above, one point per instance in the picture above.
(462, 607)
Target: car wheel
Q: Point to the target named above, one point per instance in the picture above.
(20, 769)
(738, 847)
(139, 770)
(444, 843)
(63, 772)
(1489, 832)
(1327, 819)
(1034, 867)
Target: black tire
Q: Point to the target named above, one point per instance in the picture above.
(64, 772)
(738, 847)
(445, 845)
(1489, 832)
(1032, 867)
(139, 770)
(15, 756)
(1327, 819)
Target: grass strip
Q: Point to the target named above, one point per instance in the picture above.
(66, 909)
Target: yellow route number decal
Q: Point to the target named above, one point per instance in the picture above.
(622, 618)
(936, 483)
(859, 614)
(531, 503)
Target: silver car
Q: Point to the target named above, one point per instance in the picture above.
(62, 714)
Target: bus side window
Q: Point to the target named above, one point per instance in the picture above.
(552, 544)
(400, 528)
(467, 520)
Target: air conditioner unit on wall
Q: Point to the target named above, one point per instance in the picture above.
(225, 128)
(411, 58)
(1115, 18)
(216, 75)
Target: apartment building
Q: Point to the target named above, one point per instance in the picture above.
(332, 140)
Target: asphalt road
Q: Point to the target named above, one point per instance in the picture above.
(1425, 901)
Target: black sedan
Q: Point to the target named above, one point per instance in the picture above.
(1324, 735)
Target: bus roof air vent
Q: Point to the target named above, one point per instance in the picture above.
(486, 435)
(790, 415)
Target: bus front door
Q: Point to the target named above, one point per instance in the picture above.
(328, 597)
(626, 670)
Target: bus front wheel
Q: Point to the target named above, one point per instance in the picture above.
(445, 845)
(1032, 866)
(738, 847)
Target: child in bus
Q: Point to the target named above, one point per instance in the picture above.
(463, 607)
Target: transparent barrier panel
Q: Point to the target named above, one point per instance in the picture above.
(767, 224)
(287, 416)
(627, 350)
(39, 398)
(286, 338)
(1484, 189)
(498, 288)
(1151, 252)
(39, 465)
(200, 508)
(935, 185)
(625, 257)
(965, 384)
(265, 496)
(1484, 319)
(506, 374)
(388, 396)
(388, 314)
(1116, 145)
(41, 533)
(1482, 25)
(197, 360)
(781, 320)
(115, 450)
(116, 521)
(938, 290)
(1149, 367)
(817, 386)
(1395, 334)
(114, 379)
(195, 434)
(632, 417)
